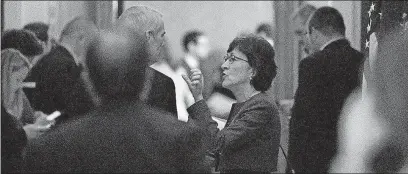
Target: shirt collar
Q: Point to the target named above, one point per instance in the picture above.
(331, 41)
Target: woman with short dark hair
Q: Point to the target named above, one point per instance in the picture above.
(22, 40)
(250, 140)
(18, 48)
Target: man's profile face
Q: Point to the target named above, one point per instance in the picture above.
(300, 30)
(156, 43)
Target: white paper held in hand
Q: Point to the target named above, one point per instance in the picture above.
(53, 115)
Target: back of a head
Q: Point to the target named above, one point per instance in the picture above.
(304, 12)
(265, 28)
(190, 36)
(79, 25)
(40, 29)
(140, 19)
(327, 20)
(116, 61)
(22, 40)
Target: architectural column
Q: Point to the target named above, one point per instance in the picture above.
(100, 12)
(284, 47)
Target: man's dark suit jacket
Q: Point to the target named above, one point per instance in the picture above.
(250, 138)
(58, 84)
(121, 137)
(162, 92)
(326, 78)
(13, 141)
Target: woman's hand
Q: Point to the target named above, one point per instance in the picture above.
(195, 82)
(41, 119)
(39, 127)
(34, 130)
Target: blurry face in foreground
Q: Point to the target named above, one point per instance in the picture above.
(203, 47)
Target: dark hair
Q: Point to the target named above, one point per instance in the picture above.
(266, 28)
(191, 36)
(40, 30)
(21, 40)
(260, 54)
(116, 61)
(327, 20)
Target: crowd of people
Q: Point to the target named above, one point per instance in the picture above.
(117, 101)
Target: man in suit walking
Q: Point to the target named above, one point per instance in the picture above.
(326, 78)
(58, 86)
(122, 134)
(159, 90)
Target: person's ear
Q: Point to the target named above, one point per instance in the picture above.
(310, 30)
(253, 74)
(149, 34)
(81, 38)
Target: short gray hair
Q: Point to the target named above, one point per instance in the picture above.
(141, 19)
(304, 12)
(79, 24)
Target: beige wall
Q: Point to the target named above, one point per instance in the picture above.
(12, 14)
(56, 13)
(221, 20)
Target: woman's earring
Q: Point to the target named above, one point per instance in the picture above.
(252, 76)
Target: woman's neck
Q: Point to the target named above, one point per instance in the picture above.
(242, 94)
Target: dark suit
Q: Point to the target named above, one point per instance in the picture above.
(58, 84)
(162, 92)
(250, 139)
(121, 138)
(13, 141)
(326, 78)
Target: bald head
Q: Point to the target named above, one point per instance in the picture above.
(116, 64)
(79, 26)
(77, 34)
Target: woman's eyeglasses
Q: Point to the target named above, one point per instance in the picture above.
(301, 32)
(232, 58)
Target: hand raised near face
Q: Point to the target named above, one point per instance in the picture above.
(196, 83)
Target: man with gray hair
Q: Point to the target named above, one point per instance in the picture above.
(299, 22)
(159, 90)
